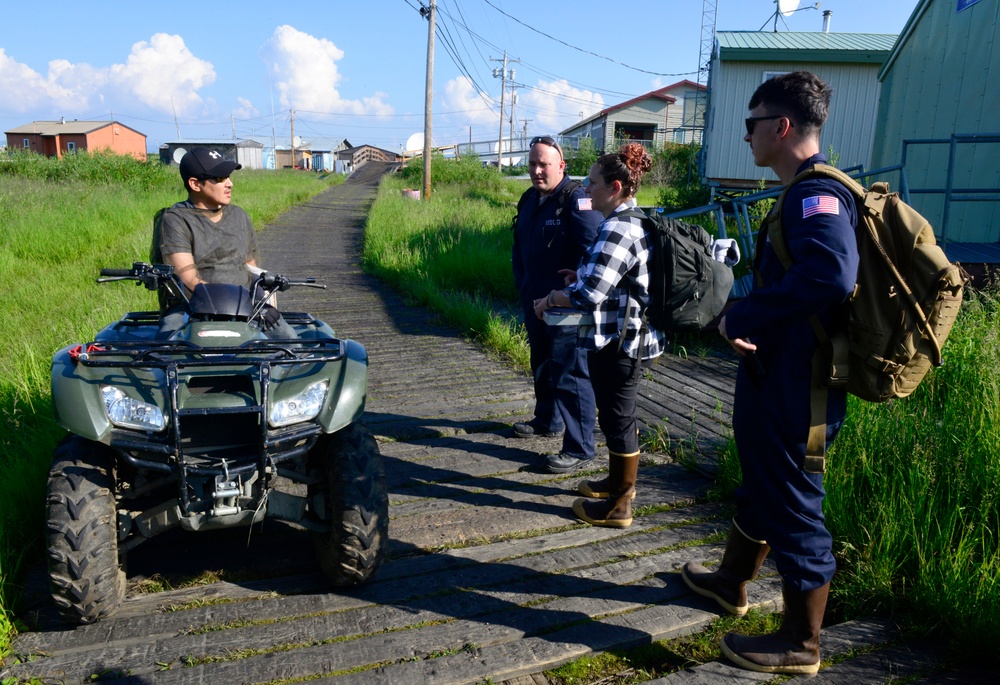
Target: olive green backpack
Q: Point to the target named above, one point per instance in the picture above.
(904, 305)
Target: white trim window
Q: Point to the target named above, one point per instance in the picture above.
(27, 143)
(70, 146)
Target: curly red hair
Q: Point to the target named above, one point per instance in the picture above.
(625, 166)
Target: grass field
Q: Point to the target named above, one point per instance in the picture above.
(61, 221)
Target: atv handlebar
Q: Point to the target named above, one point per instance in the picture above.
(117, 273)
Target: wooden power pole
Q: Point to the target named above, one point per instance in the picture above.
(428, 95)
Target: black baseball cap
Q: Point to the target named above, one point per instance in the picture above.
(202, 163)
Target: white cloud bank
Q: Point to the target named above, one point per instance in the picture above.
(306, 76)
(550, 105)
(160, 74)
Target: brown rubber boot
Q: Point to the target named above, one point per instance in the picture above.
(601, 489)
(794, 648)
(615, 511)
(728, 584)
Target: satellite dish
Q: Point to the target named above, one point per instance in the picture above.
(415, 143)
(179, 154)
(786, 7)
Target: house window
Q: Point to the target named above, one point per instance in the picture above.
(679, 135)
(771, 74)
(27, 142)
(70, 146)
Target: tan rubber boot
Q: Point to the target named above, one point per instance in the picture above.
(601, 489)
(728, 584)
(615, 511)
(794, 648)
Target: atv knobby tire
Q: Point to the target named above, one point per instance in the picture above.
(85, 577)
(356, 505)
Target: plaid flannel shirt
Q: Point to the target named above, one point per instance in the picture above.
(613, 282)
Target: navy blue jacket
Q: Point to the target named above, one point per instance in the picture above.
(548, 238)
(775, 315)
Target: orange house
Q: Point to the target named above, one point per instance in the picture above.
(56, 138)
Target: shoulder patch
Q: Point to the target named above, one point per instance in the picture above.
(583, 204)
(820, 204)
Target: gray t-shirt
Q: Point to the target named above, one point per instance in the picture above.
(220, 249)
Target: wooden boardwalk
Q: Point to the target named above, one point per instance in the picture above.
(490, 578)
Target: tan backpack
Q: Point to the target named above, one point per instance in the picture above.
(905, 302)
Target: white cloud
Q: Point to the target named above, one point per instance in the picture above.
(306, 75)
(246, 110)
(66, 86)
(556, 105)
(461, 99)
(163, 75)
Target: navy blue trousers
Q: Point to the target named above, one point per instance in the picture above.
(564, 397)
(778, 501)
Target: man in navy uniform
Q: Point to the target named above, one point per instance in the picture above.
(779, 505)
(553, 229)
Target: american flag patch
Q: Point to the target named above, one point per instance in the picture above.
(583, 204)
(820, 204)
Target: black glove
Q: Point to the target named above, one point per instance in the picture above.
(269, 317)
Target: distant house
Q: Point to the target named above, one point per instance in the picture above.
(941, 80)
(664, 115)
(325, 153)
(742, 60)
(57, 138)
(245, 152)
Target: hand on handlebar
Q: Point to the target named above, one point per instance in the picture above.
(269, 317)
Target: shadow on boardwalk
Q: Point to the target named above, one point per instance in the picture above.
(489, 577)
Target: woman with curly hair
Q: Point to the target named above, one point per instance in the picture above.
(613, 283)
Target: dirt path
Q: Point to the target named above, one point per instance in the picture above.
(490, 578)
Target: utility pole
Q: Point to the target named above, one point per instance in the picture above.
(503, 75)
(524, 134)
(293, 137)
(428, 12)
(513, 101)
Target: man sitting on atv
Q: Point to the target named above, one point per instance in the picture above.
(207, 239)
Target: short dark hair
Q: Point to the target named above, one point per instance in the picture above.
(801, 96)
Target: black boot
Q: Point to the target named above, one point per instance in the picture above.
(728, 584)
(794, 648)
(615, 511)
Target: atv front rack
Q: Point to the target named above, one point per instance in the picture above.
(258, 357)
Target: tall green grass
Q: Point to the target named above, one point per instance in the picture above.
(452, 252)
(61, 221)
(913, 494)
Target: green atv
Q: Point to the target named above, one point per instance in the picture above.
(197, 429)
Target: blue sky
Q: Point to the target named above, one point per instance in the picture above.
(355, 69)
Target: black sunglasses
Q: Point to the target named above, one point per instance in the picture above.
(545, 140)
(215, 179)
(751, 122)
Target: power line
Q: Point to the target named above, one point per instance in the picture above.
(586, 52)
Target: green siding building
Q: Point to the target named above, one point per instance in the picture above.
(943, 78)
(742, 60)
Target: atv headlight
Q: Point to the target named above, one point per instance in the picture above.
(301, 407)
(128, 413)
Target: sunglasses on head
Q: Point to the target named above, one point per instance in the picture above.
(751, 122)
(545, 140)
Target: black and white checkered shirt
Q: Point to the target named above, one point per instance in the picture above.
(613, 282)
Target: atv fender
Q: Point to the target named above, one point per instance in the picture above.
(348, 389)
(77, 400)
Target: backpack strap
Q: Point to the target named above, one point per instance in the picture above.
(830, 360)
